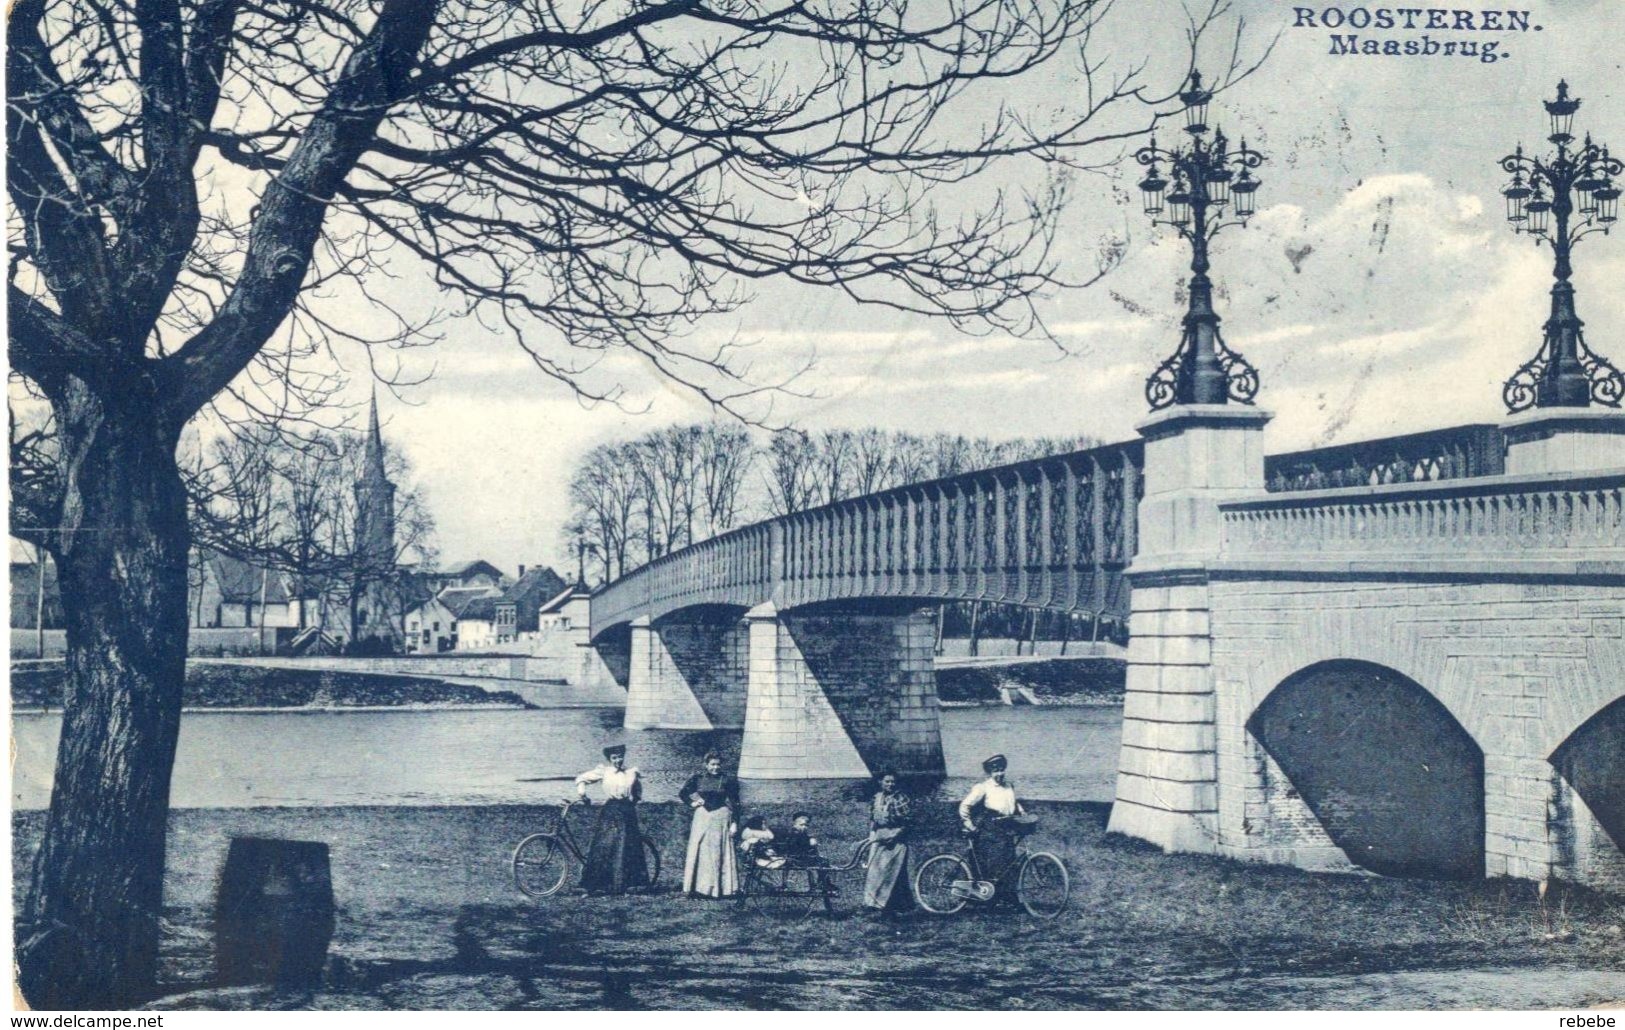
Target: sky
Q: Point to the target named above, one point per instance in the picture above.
(1378, 290)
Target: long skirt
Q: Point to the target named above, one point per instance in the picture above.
(615, 858)
(995, 845)
(709, 867)
(886, 884)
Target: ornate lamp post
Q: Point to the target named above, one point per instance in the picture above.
(1561, 200)
(1204, 178)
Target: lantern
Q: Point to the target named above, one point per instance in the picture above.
(1245, 189)
(1517, 195)
(1562, 111)
(1179, 205)
(1607, 196)
(1539, 209)
(1195, 100)
(1151, 188)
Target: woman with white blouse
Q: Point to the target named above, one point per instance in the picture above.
(615, 857)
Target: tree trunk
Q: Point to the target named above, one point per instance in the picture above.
(265, 576)
(90, 932)
(39, 603)
(975, 628)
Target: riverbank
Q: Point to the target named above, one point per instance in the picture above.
(38, 686)
(428, 919)
(1043, 681)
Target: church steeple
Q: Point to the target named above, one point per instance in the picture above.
(374, 609)
(375, 443)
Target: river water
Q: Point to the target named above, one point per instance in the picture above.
(505, 756)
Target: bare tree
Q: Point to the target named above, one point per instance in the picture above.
(606, 503)
(835, 452)
(791, 472)
(666, 461)
(723, 458)
(590, 177)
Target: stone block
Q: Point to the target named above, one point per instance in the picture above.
(1185, 766)
(1184, 708)
(1171, 795)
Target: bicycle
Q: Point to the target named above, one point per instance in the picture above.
(794, 890)
(944, 884)
(542, 861)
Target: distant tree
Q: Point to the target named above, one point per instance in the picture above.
(834, 452)
(667, 463)
(724, 456)
(606, 505)
(791, 472)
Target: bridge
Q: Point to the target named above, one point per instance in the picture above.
(1403, 655)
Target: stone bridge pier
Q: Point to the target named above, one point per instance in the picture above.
(829, 691)
(840, 691)
(688, 670)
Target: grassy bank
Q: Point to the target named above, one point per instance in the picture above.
(1056, 681)
(428, 919)
(40, 684)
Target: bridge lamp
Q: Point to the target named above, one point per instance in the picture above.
(1207, 182)
(1244, 189)
(1151, 190)
(1516, 194)
(1607, 203)
(1561, 111)
(1195, 99)
(1561, 199)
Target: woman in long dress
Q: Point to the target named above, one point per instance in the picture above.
(709, 869)
(885, 887)
(615, 861)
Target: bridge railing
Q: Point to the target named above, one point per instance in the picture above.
(1054, 532)
(1460, 452)
(1500, 517)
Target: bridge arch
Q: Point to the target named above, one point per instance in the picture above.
(1589, 809)
(1391, 776)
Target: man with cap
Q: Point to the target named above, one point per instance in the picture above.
(615, 860)
(989, 812)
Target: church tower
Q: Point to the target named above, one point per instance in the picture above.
(377, 615)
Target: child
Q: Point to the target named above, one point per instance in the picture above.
(755, 841)
(798, 843)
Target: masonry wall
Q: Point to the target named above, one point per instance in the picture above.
(841, 693)
(1519, 665)
(712, 655)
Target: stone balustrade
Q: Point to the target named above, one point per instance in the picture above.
(1492, 516)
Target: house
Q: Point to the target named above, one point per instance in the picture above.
(26, 599)
(432, 626)
(462, 576)
(564, 609)
(476, 623)
(227, 592)
(519, 606)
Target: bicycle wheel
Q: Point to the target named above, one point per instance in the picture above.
(766, 894)
(540, 865)
(934, 881)
(651, 862)
(1043, 886)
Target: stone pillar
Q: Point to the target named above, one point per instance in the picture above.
(1196, 457)
(584, 665)
(657, 694)
(1564, 440)
(838, 694)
